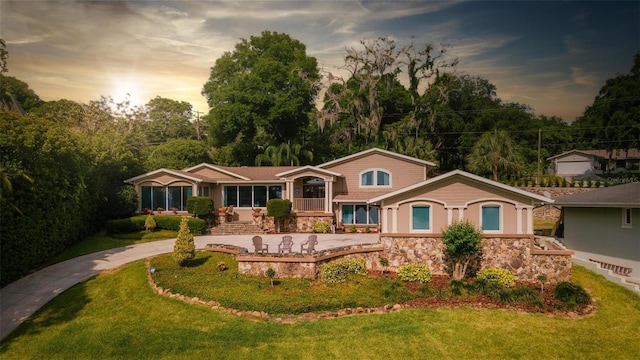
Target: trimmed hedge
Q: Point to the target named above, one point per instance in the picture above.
(200, 206)
(340, 270)
(414, 272)
(165, 222)
(279, 208)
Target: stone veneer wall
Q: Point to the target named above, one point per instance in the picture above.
(300, 223)
(306, 265)
(511, 253)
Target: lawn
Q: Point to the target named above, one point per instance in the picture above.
(117, 315)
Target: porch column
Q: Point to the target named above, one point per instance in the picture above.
(529, 220)
(394, 219)
(461, 214)
(289, 192)
(328, 196)
(449, 215)
(518, 220)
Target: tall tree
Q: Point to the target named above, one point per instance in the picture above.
(611, 122)
(177, 154)
(284, 154)
(169, 119)
(267, 85)
(495, 151)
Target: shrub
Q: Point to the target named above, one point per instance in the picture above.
(184, 248)
(340, 270)
(167, 222)
(564, 182)
(129, 225)
(353, 228)
(149, 223)
(414, 272)
(522, 295)
(279, 209)
(321, 227)
(200, 206)
(462, 242)
(570, 294)
(502, 277)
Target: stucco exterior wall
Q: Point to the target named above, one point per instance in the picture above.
(600, 231)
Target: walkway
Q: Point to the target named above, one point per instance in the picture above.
(22, 298)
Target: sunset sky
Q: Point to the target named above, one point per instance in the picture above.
(551, 55)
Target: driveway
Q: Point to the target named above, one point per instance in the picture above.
(22, 298)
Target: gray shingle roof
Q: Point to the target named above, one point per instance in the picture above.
(627, 195)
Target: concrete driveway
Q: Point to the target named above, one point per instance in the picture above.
(22, 298)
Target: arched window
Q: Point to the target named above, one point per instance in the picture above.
(421, 218)
(491, 218)
(375, 178)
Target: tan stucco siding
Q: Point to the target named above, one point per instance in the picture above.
(459, 199)
(402, 173)
(164, 181)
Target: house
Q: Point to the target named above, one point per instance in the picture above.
(374, 190)
(604, 225)
(594, 162)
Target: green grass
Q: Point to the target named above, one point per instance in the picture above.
(116, 315)
(541, 224)
(287, 296)
(102, 241)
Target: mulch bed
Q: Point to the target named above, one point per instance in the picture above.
(441, 282)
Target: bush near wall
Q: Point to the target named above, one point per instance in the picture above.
(136, 223)
(200, 206)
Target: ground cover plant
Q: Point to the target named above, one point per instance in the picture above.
(117, 316)
(347, 284)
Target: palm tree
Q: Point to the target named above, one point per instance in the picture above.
(494, 151)
(283, 154)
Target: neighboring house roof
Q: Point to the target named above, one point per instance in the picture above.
(379, 151)
(623, 196)
(571, 152)
(178, 173)
(467, 175)
(616, 154)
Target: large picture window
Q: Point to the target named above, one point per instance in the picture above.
(375, 177)
(359, 214)
(251, 196)
(165, 197)
(490, 218)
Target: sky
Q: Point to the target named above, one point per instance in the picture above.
(551, 55)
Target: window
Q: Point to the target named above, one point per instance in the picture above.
(490, 218)
(626, 218)
(177, 197)
(251, 196)
(203, 191)
(381, 177)
(166, 197)
(359, 214)
(421, 218)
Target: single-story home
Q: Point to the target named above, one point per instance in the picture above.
(604, 225)
(594, 162)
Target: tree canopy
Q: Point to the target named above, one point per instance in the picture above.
(260, 94)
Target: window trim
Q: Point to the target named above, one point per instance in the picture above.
(375, 172)
(627, 214)
(421, 231)
(500, 218)
(353, 206)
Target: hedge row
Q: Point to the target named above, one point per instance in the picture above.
(166, 222)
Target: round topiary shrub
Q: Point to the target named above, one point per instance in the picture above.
(414, 273)
(503, 278)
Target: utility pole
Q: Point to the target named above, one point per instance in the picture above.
(539, 161)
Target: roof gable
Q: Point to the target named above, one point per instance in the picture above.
(216, 168)
(314, 169)
(376, 151)
(177, 173)
(469, 176)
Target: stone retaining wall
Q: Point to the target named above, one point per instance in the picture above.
(300, 223)
(512, 253)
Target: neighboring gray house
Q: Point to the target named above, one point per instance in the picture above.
(604, 225)
(594, 162)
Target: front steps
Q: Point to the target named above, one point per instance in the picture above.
(236, 228)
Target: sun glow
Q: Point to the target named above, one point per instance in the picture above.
(126, 89)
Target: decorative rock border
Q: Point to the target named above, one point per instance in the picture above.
(263, 316)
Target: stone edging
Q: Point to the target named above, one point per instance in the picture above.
(263, 316)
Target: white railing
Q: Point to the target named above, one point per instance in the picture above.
(308, 204)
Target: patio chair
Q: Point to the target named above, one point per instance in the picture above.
(257, 243)
(229, 214)
(311, 243)
(285, 244)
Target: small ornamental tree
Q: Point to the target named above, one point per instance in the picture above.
(184, 248)
(462, 242)
(150, 223)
